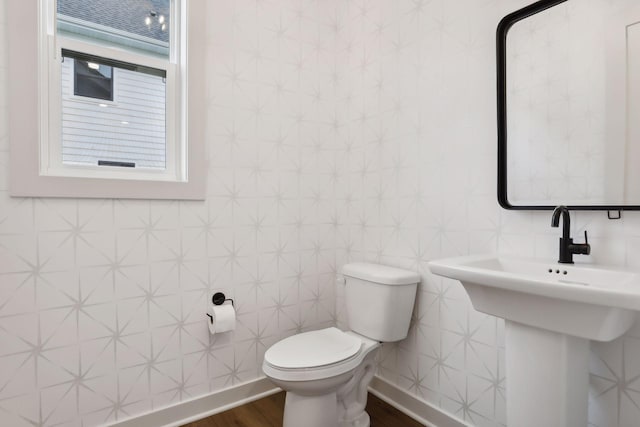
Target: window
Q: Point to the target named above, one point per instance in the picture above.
(91, 79)
(112, 99)
(128, 132)
(121, 52)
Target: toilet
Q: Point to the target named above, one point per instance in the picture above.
(326, 372)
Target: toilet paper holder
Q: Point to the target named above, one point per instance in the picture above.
(218, 299)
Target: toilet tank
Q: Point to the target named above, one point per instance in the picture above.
(379, 300)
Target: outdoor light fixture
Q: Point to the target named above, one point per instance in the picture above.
(153, 15)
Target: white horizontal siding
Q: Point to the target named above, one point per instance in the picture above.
(91, 133)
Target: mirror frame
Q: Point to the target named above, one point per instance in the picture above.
(501, 73)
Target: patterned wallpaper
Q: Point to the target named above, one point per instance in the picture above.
(102, 302)
(338, 130)
(421, 185)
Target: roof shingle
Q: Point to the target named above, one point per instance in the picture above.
(123, 15)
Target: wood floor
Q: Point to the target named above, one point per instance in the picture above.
(267, 412)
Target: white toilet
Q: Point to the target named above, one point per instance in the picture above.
(326, 373)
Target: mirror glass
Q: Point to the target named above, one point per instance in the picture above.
(573, 105)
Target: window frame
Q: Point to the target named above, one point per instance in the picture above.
(50, 142)
(34, 170)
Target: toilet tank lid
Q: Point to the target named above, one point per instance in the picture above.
(378, 273)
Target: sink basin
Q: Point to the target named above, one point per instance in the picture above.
(586, 301)
(551, 312)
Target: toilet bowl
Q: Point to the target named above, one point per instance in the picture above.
(326, 373)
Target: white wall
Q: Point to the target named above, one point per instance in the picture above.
(337, 131)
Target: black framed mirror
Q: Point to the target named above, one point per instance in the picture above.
(568, 96)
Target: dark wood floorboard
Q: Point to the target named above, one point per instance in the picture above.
(267, 412)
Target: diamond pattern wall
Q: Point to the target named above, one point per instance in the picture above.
(337, 130)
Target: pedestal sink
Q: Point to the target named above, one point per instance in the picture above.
(551, 311)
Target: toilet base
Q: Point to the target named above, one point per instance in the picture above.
(362, 420)
(310, 411)
(318, 411)
(352, 397)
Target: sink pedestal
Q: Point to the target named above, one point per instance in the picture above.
(547, 377)
(551, 313)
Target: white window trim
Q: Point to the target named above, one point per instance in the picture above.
(30, 123)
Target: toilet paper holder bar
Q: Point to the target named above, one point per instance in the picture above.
(218, 299)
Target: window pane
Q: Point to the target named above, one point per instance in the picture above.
(93, 80)
(140, 25)
(130, 130)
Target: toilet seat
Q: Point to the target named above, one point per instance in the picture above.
(313, 349)
(316, 355)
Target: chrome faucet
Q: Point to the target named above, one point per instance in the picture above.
(567, 247)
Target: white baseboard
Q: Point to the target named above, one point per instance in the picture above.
(213, 403)
(202, 407)
(417, 409)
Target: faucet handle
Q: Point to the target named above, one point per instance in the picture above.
(585, 247)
